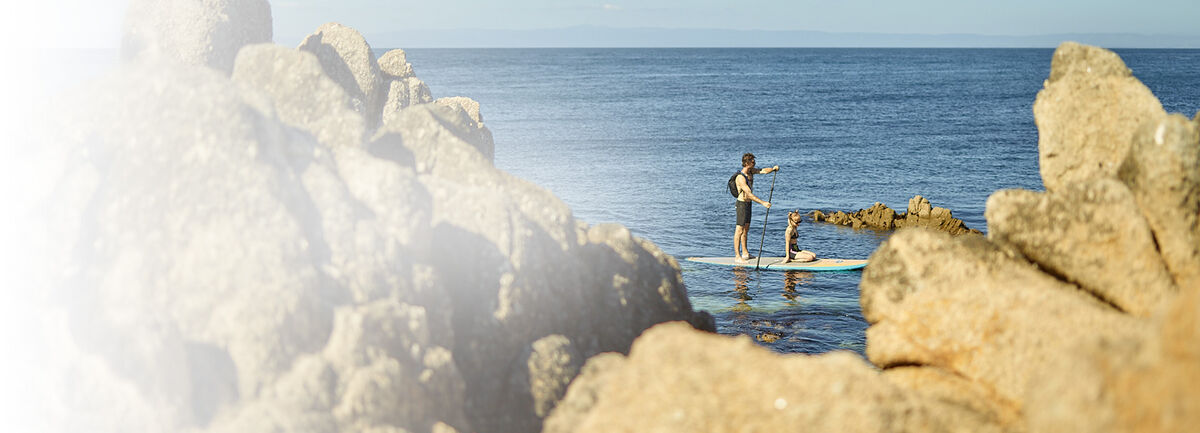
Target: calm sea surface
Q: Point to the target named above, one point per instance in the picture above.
(648, 137)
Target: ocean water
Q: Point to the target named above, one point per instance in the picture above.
(648, 138)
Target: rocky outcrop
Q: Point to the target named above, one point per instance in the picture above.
(232, 254)
(1086, 114)
(347, 59)
(403, 87)
(677, 379)
(1079, 311)
(920, 213)
(195, 32)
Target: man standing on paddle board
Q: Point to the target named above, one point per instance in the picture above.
(745, 188)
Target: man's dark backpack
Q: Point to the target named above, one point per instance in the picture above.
(733, 183)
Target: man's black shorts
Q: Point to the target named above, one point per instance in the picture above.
(743, 212)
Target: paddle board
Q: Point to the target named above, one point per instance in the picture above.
(776, 264)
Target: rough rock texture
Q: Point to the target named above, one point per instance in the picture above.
(195, 32)
(678, 379)
(1086, 114)
(395, 64)
(1163, 171)
(304, 97)
(230, 255)
(968, 307)
(346, 58)
(1087, 234)
(880, 217)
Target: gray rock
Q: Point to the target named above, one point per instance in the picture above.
(303, 96)
(347, 59)
(402, 93)
(1090, 234)
(1086, 114)
(963, 305)
(394, 64)
(1163, 171)
(195, 32)
(480, 136)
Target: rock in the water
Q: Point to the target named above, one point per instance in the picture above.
(1086, 115)
(679, 380)
(195, 32)
(347, 59)
(302, 94)
(963, 305)
(880, 217)
(1163, 171)
(1090, 234)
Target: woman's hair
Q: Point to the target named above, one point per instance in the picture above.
(746, 158)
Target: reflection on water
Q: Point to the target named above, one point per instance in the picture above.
(791, 279)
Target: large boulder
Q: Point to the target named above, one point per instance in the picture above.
(1163, 171)
(966, 306)
(303, 96)
(231, 255)
(195, 32)
(676, 379)
(1086, 114)
(1091, 234)
(346, 58)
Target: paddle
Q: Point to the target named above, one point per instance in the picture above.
(768, 214)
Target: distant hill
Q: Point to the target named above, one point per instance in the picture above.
(655, 37)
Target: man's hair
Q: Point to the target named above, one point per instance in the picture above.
(746, 158)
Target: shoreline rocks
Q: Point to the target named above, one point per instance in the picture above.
(920, 213)
(291, 241)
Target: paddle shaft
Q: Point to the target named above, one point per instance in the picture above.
(758, 259)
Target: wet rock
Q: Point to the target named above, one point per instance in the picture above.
(1089, 234)
(195, 32)
(736, 385)
(1086, 114)
(880, 217)
(963, 305)
(1163, 171)
(347, 59)
(302, 95)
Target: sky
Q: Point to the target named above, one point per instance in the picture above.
(96, 23)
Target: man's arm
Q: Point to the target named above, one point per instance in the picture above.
(768, 170)
(745, 189)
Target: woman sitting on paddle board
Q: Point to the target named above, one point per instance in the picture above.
(791, 249)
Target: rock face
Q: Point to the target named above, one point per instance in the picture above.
(1087, 113)
(195, 32)
(346, 58)
(920, 213)
(234, 254)
(678, 379)
(1080, 311)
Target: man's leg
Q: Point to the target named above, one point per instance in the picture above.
(739, 241)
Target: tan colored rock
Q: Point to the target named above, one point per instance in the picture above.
(394, 64)
(195, 32)
(1090, 234)
(402, 93)
(347, 59)
(1144, 386)
(970, 308)
(1163, 171)
(1086, 114)
(919, 207)
(302, 94)
(962, 401)
(677, 379)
